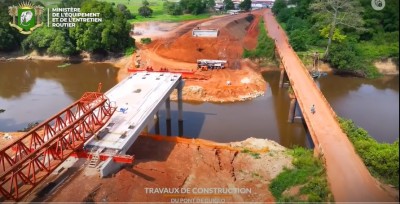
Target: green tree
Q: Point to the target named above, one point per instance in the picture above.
(345, 13)
(228, 5)
(125, 11)
(145, 10)
(193, 6)
(172, 8)
(245, 5)
(49, 40)
(299, 39)
(344, 56)
(210, 4)
(10, 38)
(145, 3)
(61, 45)
(112, 34)
(279, 5)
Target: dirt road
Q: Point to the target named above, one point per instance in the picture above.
(175, 48)
(349, 178)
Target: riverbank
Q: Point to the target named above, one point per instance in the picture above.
(82, 57)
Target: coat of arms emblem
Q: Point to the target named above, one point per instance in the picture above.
(26, 17)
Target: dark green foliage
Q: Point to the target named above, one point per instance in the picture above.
(386, 20)
(173, 8)
(145, 40)
(210, 4)
(299, 39)
(194, 7)
(309, 172)
(265, 46)
(129, 51)
(145, 10)
(360, 48)
(10, 38)
(286, 14)
(279, 5)
(125, 11)
(228, 5)
(381, 159)
(48, 40)
(344, 56)
(111, 35)
(245, 5)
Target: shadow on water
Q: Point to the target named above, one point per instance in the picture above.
(191, 126)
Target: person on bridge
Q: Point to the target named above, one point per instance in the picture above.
(313, 109)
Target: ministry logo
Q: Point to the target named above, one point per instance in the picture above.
(26, 17)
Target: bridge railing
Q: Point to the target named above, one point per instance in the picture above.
(310, 127)
(315, 85)
(309, 76)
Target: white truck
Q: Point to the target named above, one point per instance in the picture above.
(211, 64)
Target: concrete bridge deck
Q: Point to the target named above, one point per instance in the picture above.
(137, 98)
(348, 177)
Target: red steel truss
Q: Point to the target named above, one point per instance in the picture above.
(30, 159)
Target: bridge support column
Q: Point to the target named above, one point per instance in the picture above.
(281, 76)
(180, 103)
(168, 108)
(168, 118)
(180, 107)
(157, 123)
(292, 109)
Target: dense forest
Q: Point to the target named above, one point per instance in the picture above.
(110, 35)
(349, 34)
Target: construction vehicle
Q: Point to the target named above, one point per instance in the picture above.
(210, 64)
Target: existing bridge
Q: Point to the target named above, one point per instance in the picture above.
(349, 178)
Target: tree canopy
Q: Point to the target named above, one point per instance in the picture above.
(110, 35)
(145, 10)
(245, 5)
(334, 13)
(228, 5)
(352, 33)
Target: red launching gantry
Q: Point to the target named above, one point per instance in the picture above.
(29, 160)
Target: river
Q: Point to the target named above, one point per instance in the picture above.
(33, 91)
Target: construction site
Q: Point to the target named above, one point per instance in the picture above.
(103, 137)
(102, 147)
(208, 53)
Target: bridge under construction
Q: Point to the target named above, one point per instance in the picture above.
(100, 127)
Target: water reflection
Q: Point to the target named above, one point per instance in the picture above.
(33, 91)
(371, 103)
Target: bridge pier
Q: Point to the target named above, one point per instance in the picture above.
(180, 108)
(292, 109)
(283, 78)
(180, 103)
(168, 117)
(157, 123)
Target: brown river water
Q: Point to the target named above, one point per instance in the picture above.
(33, 91)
